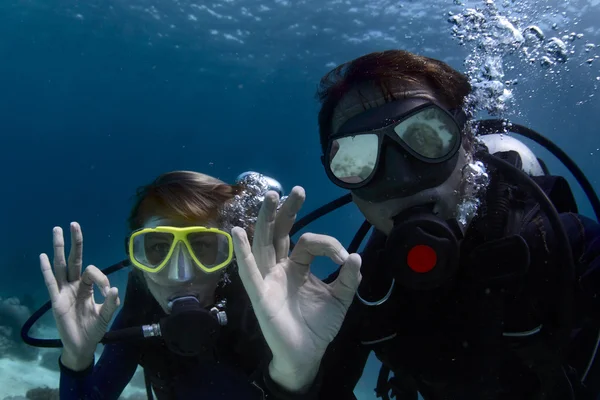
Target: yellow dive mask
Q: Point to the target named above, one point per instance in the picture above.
(151, 249)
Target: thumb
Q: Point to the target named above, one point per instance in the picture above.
(345, 286)
(110, 305)
(247, 269)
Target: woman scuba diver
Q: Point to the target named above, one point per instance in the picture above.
(200, 336)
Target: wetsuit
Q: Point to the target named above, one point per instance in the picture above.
(448, 343)
(231, 373)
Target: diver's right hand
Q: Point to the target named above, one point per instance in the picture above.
(81, 323)
(299, 314)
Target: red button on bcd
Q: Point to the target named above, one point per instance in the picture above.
(421, 258)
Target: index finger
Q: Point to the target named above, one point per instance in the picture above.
(285, 220)
(311, 245)
(76, 254)
(60, 264)
(262, 242)
(49, 278)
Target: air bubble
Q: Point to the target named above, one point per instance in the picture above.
(546, 62)
(557, 50)
(476, 179)
(533, 32)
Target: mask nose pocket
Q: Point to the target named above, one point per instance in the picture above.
(181, 268)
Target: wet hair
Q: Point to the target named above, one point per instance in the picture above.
(190, 196)
(383, 70)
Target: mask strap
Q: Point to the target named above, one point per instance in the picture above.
(460, 117)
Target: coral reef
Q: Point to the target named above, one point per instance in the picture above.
(13, 315)
(49, 359)
(42, 393)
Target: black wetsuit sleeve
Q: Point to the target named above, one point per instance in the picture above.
(272, 391)
(107, 378)
(344, 360)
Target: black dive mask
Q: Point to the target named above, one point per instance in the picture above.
(423, 249)
(396, 150)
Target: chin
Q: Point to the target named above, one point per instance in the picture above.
(381, 214)
(378, 214)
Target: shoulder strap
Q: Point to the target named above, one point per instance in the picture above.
(559, 191)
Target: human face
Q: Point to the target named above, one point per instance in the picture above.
(443, 196)
(181, 277)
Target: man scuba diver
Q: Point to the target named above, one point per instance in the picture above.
(479, 281)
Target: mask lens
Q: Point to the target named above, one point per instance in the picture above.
(210, 248)
(431, 132)
(152, 248)
(352, 158)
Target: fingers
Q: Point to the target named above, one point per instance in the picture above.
(286, 216)
(262, 243)
(110, 305)
(92, 275)
(248, 270)
(346, 284)
(76, 253)
(60, 264)
(49, 277)
(311, 245)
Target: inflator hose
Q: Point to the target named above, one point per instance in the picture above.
(564, 319)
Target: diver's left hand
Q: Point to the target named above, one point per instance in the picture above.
(298, 313)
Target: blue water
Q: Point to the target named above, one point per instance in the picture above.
(99, 97)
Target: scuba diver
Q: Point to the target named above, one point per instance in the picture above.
(186, 318)
(480, 280)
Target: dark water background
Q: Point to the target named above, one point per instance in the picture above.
(98, 98)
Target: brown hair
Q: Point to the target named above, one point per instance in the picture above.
(381, 69)
(181, 194)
